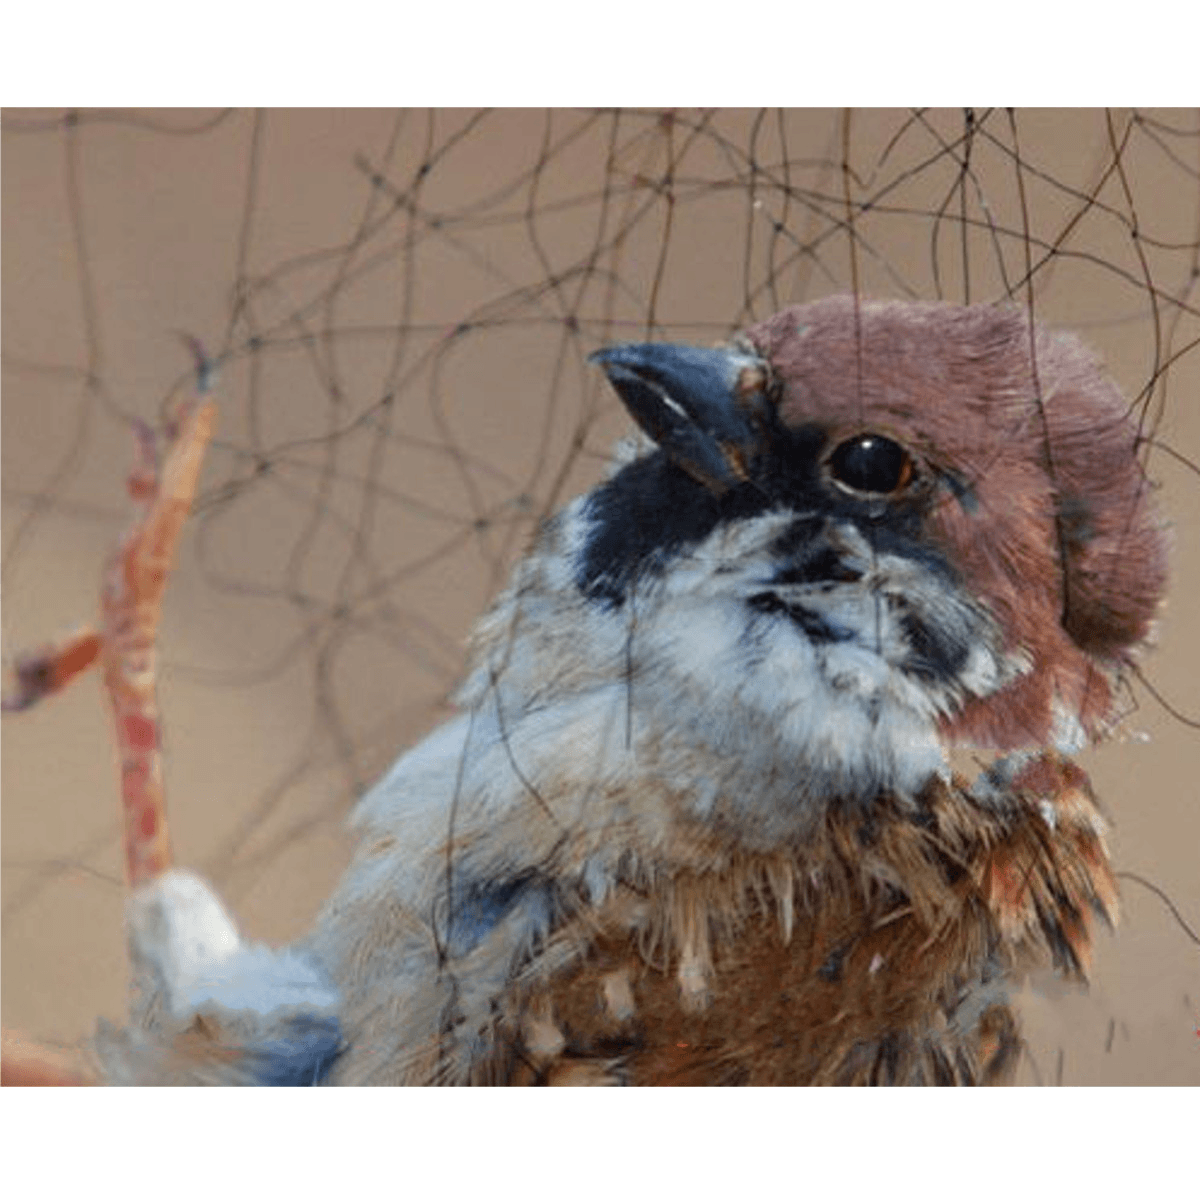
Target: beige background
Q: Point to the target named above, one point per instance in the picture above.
(375, 470)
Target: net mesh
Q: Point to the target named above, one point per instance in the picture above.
(400, 306)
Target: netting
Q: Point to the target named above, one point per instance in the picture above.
(400, 306)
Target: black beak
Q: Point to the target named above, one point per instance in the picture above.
(707, 409)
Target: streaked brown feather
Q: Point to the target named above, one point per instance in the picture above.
(907, 920)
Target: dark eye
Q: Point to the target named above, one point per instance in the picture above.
(872, 464)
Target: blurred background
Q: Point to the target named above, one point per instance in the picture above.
(402, 304)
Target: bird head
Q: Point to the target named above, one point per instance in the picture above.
(961, 489)
(859, 536)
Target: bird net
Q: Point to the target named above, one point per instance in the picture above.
(399, 307)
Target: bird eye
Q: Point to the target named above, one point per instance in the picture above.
(872, 464)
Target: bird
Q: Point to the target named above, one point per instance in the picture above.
(761, 771)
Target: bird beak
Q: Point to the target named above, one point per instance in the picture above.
(708, 409)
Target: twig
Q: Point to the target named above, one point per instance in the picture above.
(131, 600)
(49, 669)
(130, 607)
(31, 1064)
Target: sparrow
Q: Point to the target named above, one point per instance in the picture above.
(697, 818)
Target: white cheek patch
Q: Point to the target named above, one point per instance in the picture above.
(822, 722)
(720, 566)
(699, 644)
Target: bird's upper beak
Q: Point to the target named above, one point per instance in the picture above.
(708, 409)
